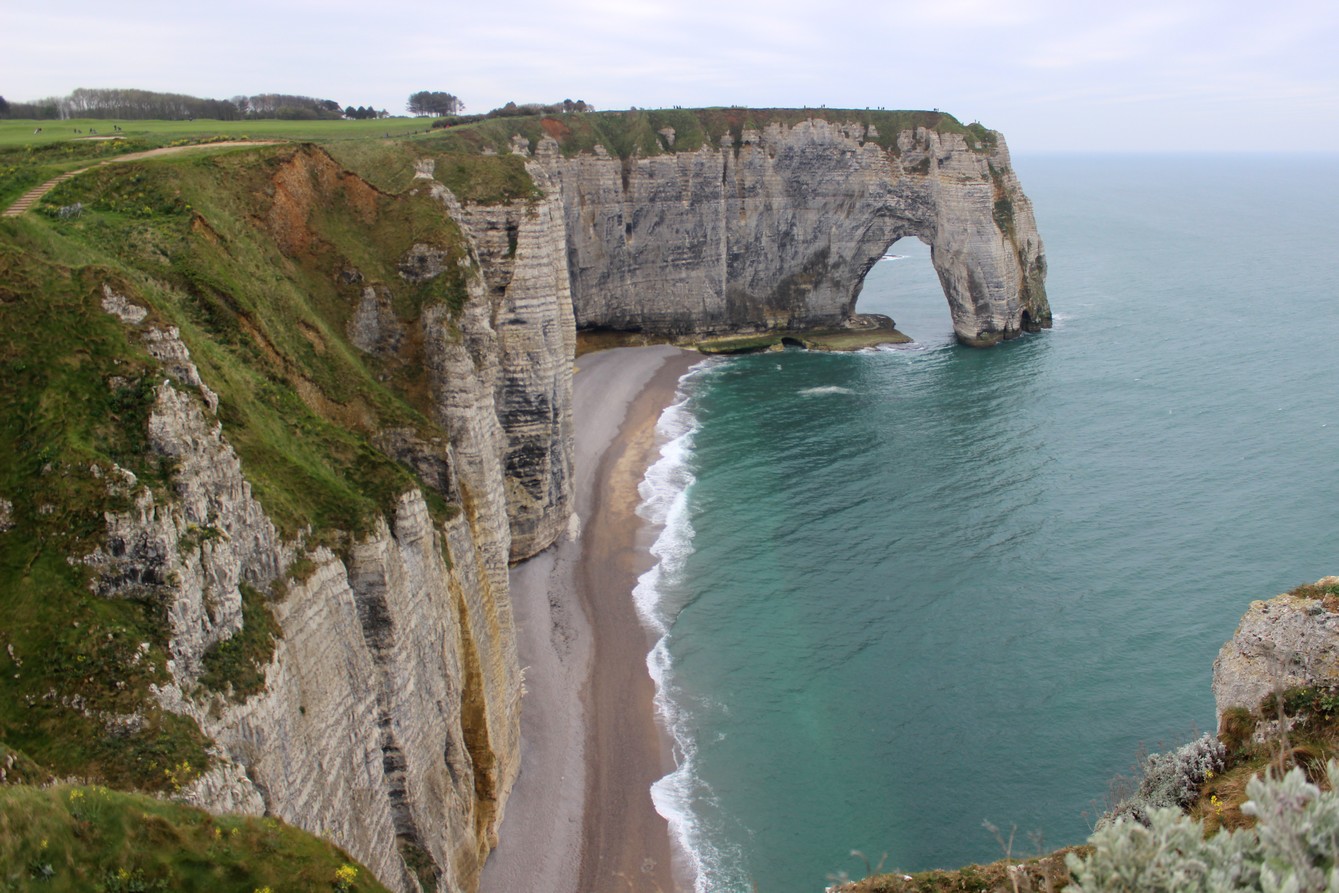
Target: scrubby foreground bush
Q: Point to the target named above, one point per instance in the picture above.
(1293, 848)
(1171, 780)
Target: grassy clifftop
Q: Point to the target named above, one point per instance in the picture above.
(638, 131)
(28, 158)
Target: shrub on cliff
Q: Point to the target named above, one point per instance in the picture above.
(1293, 847)
(1171, 780)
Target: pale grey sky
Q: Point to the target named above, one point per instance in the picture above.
(1145, 75)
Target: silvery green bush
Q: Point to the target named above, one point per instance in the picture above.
(1292, 849)
(1170, 780)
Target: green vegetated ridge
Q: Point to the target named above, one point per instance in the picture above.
(637, 132)
(70, 837)
(259, 257)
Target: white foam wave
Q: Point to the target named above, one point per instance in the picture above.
(826, 389)
(711, 867)
(664, 493)
(672, 795)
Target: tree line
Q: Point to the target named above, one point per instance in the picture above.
(512, 110)
(434, 102)
(136, 105)
(449, 108)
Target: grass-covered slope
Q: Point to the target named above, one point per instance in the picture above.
(70, 837)
(28, 158)
(259, 257)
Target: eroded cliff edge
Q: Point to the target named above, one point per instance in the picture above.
(306, 422)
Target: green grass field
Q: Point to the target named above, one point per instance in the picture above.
(28, 159)
(160, 133)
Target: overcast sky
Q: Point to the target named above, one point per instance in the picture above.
(1147, 75)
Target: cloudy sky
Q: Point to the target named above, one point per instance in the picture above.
(1143, 75)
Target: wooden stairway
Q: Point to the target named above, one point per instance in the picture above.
(29, 198)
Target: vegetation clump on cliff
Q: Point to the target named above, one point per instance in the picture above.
(1294, 846)
(75, 837)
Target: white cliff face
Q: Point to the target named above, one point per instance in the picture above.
(212, 538)
(389, 717)
(780, 231)
(776, 234)
(521, 249)
(1285, 642)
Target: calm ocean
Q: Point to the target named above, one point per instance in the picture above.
(906, 591)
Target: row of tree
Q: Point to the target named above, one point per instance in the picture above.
(134, 105)
(363, 112)
(512, 110)
(445, 105)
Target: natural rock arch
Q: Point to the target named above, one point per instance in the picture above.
(777, 231)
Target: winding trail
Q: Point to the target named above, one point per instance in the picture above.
(30, 198)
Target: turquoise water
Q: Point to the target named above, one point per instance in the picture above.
(910, 590)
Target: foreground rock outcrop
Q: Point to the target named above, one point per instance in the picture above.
(1288, 641)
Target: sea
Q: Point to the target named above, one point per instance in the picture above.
(924, 606)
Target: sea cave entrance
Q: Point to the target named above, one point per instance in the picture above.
(906, 287)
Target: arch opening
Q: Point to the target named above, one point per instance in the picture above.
(904, 285)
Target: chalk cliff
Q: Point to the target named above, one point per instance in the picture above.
(388, 715)
(777, 227)
(521, 246)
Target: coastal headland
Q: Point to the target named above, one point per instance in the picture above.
(281, 419)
